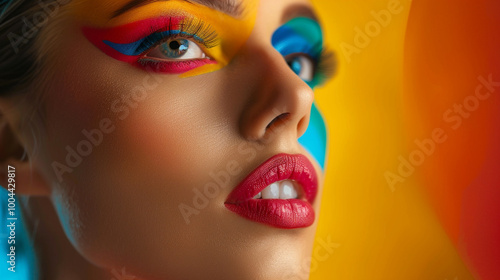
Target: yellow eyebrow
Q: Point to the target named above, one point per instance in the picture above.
(229, 7)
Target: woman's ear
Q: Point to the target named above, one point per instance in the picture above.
(15, 164)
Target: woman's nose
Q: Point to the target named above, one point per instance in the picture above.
(278, 100)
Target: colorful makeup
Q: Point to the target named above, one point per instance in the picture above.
(177, 37)
(314, 140)
(300, 42)
(178, 44)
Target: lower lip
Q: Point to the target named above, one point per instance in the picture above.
(281, 213)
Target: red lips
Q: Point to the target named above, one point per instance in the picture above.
(281, 213)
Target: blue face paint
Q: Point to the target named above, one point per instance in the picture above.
(303, 36)
(299, 35)
(314, 139)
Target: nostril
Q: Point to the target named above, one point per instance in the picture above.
(279, 119)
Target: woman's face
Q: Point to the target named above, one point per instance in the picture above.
(156, 112)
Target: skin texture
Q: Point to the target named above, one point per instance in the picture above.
(119, 207)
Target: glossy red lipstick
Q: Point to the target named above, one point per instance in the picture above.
(281, 213)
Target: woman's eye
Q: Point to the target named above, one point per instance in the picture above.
(177, 49)
(302, 65)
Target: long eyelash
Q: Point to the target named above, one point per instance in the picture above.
(326, 66)
(189, 28)
(202, 30)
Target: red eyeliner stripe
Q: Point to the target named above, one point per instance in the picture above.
(129, 33)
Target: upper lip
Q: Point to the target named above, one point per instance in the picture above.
(277, 168)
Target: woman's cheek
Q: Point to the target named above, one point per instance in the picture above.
(144, 161)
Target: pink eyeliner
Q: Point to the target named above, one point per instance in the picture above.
(173, 67)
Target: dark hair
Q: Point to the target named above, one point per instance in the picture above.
(19, 27)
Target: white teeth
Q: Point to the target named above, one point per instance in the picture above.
(278, 190)
(271, 191)
(287, 191)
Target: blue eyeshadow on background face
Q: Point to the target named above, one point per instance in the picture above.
(304, 35)
(299, 35)
(314, 139)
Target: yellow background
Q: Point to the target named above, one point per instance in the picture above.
(381, 233)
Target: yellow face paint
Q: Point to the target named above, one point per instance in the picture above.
(231, 32)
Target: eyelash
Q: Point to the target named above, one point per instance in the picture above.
(326, 66)
(325, 63)
(190, 28)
